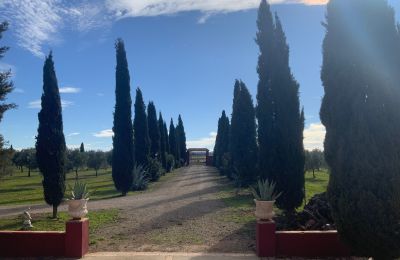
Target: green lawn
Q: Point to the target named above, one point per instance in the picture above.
(44, 222)
(21, 189)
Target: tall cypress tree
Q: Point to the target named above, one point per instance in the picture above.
(362, 120)
(172, 140)
(280, 126)
(180, 131)
(224, 146)
(50, 141)
(154, 131)
(264, 109)
(123, 148)
(243, 145)
(140, 125)
(163, 141)
(216, 153)
(222, 140)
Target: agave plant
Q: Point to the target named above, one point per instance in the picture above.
(140, 178)
(265, 191)
(79, 191)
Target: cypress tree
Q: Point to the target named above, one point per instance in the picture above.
(216, 153)
(6, 86)
(163, 141)
(222, 140)
(82, 148)
(243, 145)
(172, 140)
(140, 125)
(154, 132)
(50, 141)
(360, 113)
(280, 132)
(180, 131)
(224, 146)
(123, 148)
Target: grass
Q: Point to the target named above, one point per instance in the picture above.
(241, 205)
(21, 189)
(44, 222)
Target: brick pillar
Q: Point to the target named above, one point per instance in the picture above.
(265, 238)
(77, 238)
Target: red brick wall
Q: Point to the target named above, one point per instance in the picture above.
(72, 243)
(271, 243)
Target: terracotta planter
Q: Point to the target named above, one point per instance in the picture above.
(264, 210)
(77, 209)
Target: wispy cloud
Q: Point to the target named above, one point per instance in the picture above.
(206, 142)
(69, 90)
(314, 136)
(73, 134)
(104, 133)
(36, 104)
(37, 23)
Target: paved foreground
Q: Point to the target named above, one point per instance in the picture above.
(169, 256)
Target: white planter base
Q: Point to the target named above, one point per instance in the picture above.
(77, 209)
(264, 210)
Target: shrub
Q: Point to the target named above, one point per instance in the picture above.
(170, 162)
(140, 178)
(154, 169)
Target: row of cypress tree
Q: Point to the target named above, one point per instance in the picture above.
(145, 141)
(272, 148)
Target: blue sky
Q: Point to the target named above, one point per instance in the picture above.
(185, 56)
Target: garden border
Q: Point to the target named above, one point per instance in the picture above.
(272, 243)
(74, 242)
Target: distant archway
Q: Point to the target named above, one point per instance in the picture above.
(199, 156)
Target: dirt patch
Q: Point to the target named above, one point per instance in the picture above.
(184, 214)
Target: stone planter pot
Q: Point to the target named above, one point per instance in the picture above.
(264, 210)
(77, 209)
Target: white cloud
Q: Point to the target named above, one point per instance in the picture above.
(34, 22)
(206, 142)
(126, 8)
(73, 134)
(37, 104)
(69, 90)
(104, 133)
(100, 94)
(314, 136)
(37, 23)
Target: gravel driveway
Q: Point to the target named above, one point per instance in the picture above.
(183, 215)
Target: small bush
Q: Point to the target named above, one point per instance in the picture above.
(154, 169)
(170, 162)
(140, 178)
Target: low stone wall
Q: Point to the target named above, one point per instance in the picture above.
(74, 242)
(272, 243)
